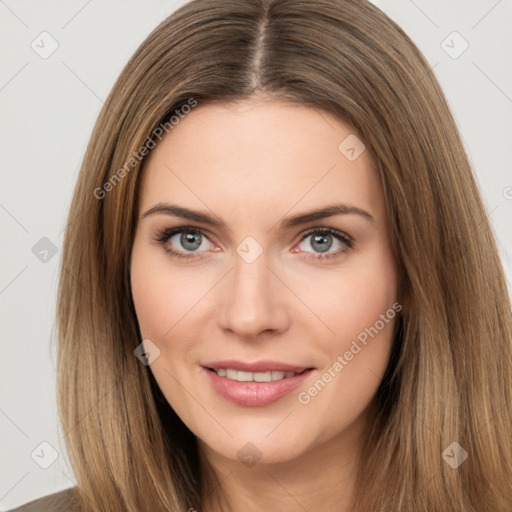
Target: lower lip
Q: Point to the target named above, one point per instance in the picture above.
(255, 394)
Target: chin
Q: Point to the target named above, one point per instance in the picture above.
(250, 450)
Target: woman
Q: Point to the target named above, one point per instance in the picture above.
(279, 287)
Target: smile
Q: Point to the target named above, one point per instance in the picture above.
(254, 384)
(242, 376)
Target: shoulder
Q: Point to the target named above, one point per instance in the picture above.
(63, 501)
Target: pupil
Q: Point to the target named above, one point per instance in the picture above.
(325, 242)
(190, 241)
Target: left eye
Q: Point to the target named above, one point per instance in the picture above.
(322, 240)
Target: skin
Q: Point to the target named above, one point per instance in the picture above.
(251, 164)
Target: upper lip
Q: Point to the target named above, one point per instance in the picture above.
(256, 366)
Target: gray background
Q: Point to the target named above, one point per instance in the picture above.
(49, 107)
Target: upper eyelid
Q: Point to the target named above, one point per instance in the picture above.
(327, 229)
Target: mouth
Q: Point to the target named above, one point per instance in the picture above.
(255, 384)
(244, 376)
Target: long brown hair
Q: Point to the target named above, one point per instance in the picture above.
(449, 379)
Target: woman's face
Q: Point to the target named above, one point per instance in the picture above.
(246, 278)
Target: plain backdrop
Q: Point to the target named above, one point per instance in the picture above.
(49, 106)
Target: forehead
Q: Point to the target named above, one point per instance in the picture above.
(252, 155)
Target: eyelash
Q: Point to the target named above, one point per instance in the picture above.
(163, 236)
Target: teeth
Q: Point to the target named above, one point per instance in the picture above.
(241, 376)
(232, 374)
(267, 376)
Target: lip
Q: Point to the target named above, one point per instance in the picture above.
(255, 394)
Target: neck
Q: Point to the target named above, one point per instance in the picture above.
(322, 478)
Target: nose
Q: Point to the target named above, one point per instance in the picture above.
(253, 300)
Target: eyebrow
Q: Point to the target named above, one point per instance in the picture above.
(287, 223)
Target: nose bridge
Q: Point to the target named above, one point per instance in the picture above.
(251, 278)
(253, 302)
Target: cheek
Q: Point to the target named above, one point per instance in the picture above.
(157, 296)
(170, 304)
(160, 297)
(360, 310)
(353, 300)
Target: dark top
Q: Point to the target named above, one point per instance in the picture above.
(62, 501)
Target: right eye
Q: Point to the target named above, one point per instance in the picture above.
(190, 239)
